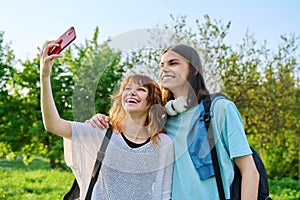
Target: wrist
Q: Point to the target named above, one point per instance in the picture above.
(44, 77)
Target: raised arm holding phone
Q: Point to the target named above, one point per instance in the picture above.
(138, 162)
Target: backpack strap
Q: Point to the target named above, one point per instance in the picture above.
(207, 119)
(98, 162)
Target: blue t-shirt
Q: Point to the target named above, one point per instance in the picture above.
(231, 142)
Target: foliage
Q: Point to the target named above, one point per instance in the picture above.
(7, 102)
(97, 70)
(284, 189)
(264, 90)
(94, 65)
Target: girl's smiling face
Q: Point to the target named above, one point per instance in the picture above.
(134, 98)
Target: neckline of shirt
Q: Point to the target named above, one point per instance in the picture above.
(132, 144)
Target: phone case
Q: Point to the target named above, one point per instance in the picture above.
(64, 40)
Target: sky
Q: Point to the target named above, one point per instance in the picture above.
(28, 24)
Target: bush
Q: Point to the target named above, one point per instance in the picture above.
(284, 189)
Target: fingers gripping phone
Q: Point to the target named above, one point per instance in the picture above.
(64, 40)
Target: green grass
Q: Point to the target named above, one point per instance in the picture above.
(35, 181)
(38, 182)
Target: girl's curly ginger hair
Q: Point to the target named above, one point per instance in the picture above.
(156, 115)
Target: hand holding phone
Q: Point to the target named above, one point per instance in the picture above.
(64, 40)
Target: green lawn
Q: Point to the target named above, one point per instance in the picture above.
(35, 181)
(38, 181)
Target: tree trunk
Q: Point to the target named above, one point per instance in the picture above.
(52, 163)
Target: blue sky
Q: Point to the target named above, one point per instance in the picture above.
(28, 24)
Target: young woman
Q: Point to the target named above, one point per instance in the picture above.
(184, 88)
(138, 162)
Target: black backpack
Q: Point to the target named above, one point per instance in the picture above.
(263, 189)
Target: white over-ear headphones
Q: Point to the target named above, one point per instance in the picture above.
(178, 105)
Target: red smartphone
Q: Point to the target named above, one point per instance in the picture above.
(64, 40)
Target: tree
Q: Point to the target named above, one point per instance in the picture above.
(85, 71)
(82, 84)
(7, 102)
(281, 114)
(97, 70)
